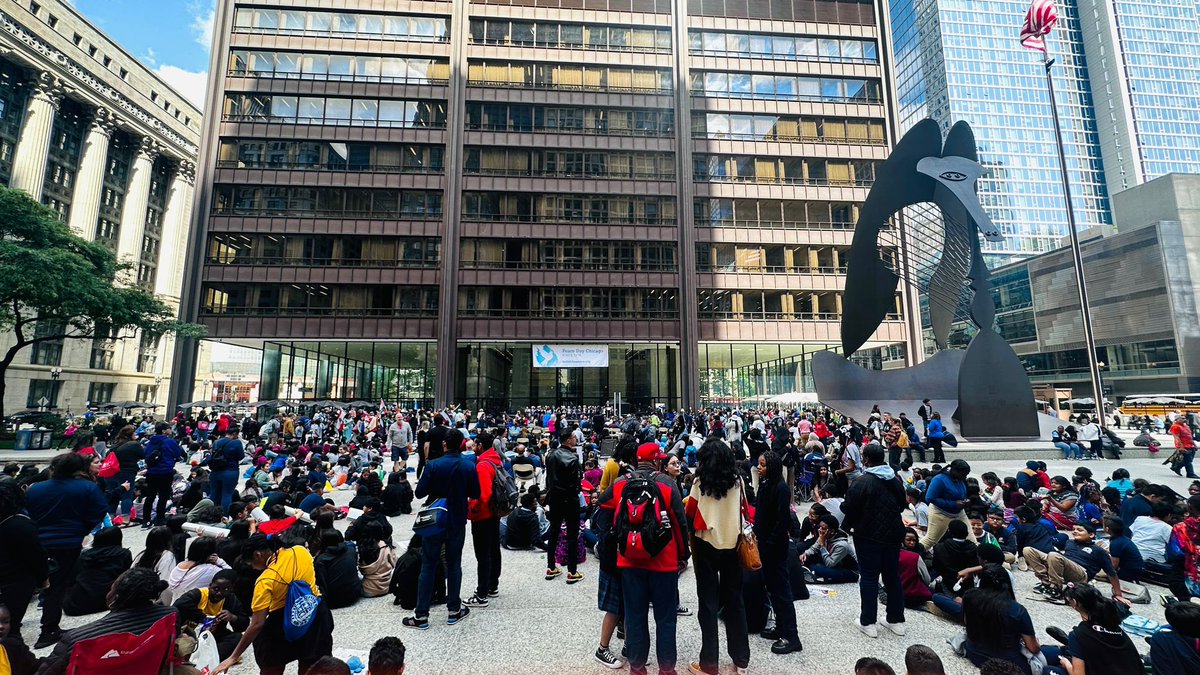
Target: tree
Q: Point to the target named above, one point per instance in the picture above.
(69, 287)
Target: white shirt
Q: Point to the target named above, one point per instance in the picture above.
(1151, 537)
(1089, 432)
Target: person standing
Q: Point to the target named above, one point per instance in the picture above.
(715, 510)
(872, 514)
(772, 514)
(925, 412)
(485, 524)
(161, 453)
(66, 508)
(120, 487)
(400, 438)
(453, 478)
(564, 474)
(1185, 445)
(227, 453)
(947, 497)
(23, 567)
(935, 433)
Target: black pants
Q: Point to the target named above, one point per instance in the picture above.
(563, 510)
(485, 535)
(894, 457)
(779, 586)
(16, 596)
(908, 452)
(719, 589)
(61, 580)
(938, 455)
(158, 489)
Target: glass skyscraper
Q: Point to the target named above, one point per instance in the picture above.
(961, 60)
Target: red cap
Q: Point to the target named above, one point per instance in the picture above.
(650, 452)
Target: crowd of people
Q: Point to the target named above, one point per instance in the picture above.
(243, 549)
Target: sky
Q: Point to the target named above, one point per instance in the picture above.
(172, 37)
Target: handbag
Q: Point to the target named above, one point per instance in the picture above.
(747, 543)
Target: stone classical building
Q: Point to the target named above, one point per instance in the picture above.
(91, 132)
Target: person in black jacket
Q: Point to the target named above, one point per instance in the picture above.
(372, 519)
(398, 495)
(872, 514)
(772, 517)
(23, 567)
(217, 601)
(129, 453)
(99, 567)
(337, 570)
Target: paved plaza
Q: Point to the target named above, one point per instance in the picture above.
(545, 627)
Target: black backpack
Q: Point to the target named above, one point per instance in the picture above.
(642, 525)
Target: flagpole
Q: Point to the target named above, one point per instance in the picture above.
(1076, 253)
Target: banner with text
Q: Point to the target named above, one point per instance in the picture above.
(570, 356)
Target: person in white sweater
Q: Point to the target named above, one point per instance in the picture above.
(197, 571)
(158, 556)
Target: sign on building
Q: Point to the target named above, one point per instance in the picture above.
(570, 356)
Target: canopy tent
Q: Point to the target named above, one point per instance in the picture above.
(792, 398)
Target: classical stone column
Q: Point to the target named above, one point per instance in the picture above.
(137, 196)
(33, 147)
(89, 181)
(173, 246)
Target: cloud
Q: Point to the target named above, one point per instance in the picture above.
(150, 57)
(193, 85)
(203, 21)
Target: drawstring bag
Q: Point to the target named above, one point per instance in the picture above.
(300, 612)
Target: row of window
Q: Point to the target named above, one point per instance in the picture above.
(547, 208)
(770, 259)
(723, 304)
(551, 34)
(785, 87)
(792, 48)
(568, 254)
(568, 303)
(331, 156)
(311, 250)
(570, 76)
(774, 213)
(319, 300)
(360, 67)
(861, 12)
(783, 170)
(341, 24)
(301, 202)
(573, 120)
(569, 163)
(746, 127)
(369, 112)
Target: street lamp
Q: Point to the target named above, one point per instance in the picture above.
(157, 382)
(55, 373)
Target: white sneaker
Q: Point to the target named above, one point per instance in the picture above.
(741, 671)
(871, 631)
(896, 628)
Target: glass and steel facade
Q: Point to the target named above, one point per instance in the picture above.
(675, 180)
(961, 60)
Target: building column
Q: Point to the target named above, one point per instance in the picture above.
(175, 223)
(137, 197)
(89, 180)
(33, 147)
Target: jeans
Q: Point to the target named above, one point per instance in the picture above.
(894, 457)
(158, 486)
(431, 553)
(779, 585)
(399, 453)
(124, 502)
(875, 560)
(1069, 450)
(221, 485)
(1185, 462)
(485, 535)
(949, 606)
(61, 580)
(640, 589)
(908, 452)
(833, 575)
(719, 590)
(563, 510)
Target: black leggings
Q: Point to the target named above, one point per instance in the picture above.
(158, 487)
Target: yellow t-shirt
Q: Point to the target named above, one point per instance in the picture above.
(291, 564)
(611, 471)
(207, 606)
(5, 666)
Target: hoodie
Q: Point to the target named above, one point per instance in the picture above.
(873, 505)
(98, 569)
(486, 467)
(337, 575)
(951, 556)
(169, 451)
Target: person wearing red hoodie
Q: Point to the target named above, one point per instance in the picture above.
(485, 524)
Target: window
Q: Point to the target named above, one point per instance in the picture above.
(42, 389)
(146, 393)
(100, 392)
(49, 352)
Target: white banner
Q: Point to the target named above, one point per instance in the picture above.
(570, 356)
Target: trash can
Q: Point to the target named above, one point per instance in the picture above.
(33, 439)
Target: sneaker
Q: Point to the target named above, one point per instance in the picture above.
(1058, 634)
(47, 639)
(607, 659)
(695, 668)
(683, 611)
(493, 594)
(896, 628)
(476, 601)
(1039, 588)
(552, 572)
(574, 577)
(783, 646)
(808, 575)
(741, 671)
(418, 622)
(455, 617)
(871, 631)
(1165, 600)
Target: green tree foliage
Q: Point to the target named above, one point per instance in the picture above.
(48, 275)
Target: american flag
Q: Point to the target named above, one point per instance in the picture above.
(1040, 18)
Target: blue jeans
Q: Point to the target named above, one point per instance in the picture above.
(640, 589)
(949, 606)
(875, 560)
(1053, 667)
(431, 553)
(123, 503)
(1069, 450)
(1186, 463)
(833, 575)
(399, 453)
(221, 485)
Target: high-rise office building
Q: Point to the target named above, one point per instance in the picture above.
(434, 201)
(91, 132)
(1144, 67)
(961, 60)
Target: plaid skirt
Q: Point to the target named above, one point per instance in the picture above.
(608, 594)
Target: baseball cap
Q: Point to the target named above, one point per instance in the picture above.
(649, 452)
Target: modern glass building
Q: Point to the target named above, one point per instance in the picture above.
(961, 60)
(404, 200)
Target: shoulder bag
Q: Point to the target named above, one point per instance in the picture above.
(747, 544)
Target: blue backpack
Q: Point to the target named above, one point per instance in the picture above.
(300, 612)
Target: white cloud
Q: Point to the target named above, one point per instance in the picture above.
(192, 85)
(151, 58)
(203, 21)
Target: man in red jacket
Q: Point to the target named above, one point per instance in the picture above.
(485, 524)
(654, 580)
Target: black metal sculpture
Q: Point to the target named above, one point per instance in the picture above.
(995, 398)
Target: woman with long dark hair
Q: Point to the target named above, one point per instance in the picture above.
(1097, 645)
(772, 516)
(158, 556)
(715, 512)
(997, 625)
(129, 453)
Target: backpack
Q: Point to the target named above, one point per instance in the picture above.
(110, 466)
(300, 612)
(902, 440)
(156, 455)
(124, 652)
(504, 492)
(642, 526)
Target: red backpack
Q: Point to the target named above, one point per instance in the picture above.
(642, 525)
(125, 653)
